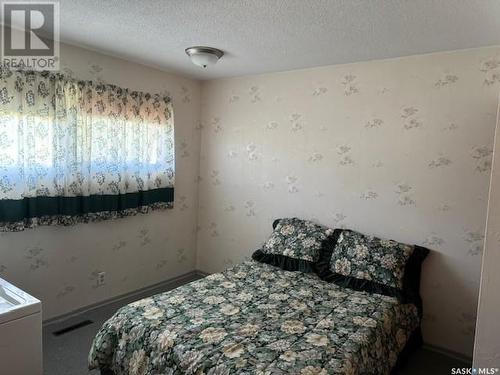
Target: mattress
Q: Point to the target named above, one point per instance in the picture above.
(256, 319)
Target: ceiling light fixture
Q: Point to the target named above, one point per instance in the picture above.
(204, 56)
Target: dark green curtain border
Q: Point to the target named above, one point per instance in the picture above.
(14, 210)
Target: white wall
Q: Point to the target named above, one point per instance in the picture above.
(400, 148)
(59, 264)
(487, 343)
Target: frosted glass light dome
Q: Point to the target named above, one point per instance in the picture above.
(204, 56)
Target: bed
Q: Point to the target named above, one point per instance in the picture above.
(256, 318)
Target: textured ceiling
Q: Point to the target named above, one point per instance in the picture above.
(261, 36)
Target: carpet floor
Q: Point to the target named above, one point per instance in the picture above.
(66, 354)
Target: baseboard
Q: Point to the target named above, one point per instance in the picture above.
(179, 280)
(449, 353)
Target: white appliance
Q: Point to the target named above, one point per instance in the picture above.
(20, 332)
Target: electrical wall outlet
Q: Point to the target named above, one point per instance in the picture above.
(101, 278)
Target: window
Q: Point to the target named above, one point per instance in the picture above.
(74, 151)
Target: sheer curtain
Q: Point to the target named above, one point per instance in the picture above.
(75, 151)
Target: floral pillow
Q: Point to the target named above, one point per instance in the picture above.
(295, 245)
(373, 264)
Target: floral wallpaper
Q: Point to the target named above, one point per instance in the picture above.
(397, 148)
(60, 265)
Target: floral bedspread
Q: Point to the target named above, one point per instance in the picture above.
(255, 319)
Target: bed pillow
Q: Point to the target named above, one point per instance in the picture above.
(374, 265)
(295, 245)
